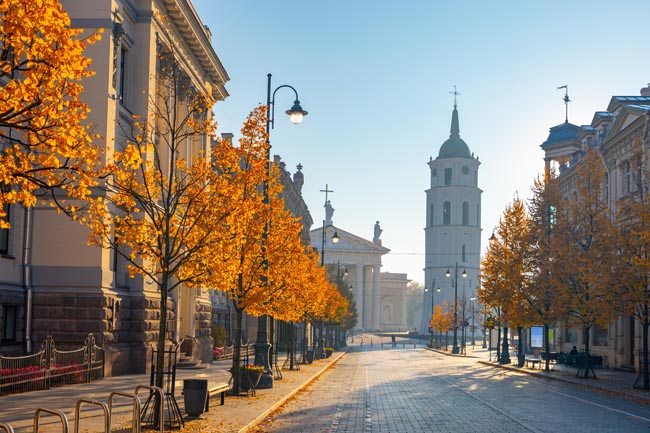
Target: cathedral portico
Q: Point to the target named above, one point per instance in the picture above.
(362, 260)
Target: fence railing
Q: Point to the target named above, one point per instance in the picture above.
(51, 367)
(226, 352)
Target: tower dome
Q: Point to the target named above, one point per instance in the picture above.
(454, 147)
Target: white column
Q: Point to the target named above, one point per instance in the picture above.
(403, 318)
(358, 293)
(376, 307)
(367, 298)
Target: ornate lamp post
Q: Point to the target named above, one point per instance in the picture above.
(455, 349)
(296, 113)
(320, 341)
(472, 299)
(430, 289)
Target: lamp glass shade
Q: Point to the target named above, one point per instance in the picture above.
(296, 117)
(447, 274)
(336, 238)
(464, 273)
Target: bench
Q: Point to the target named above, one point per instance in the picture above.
(533, 360)
(214, 389)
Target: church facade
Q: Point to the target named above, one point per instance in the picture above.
(453, 226)
(380, 297)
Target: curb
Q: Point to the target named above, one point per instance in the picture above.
(588, 386)
(284, 399)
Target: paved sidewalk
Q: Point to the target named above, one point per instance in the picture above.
(241, 414)
(238, 414)
(613, 382)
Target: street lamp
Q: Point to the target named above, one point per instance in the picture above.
(427, 289)
(455, 349)
(296, 114)
(472, 299)
(320, 341)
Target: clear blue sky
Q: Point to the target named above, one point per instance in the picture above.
(375, 76)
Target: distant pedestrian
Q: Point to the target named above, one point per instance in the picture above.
(392, 340)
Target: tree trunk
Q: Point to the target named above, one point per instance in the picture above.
(236, 355)
(587, 361)
(644, 365)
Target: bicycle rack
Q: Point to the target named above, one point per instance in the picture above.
(135, 422)
(161, 393)
(7, 428)
(77, 410)
(61, 415)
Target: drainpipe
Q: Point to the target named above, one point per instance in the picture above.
(27, 276)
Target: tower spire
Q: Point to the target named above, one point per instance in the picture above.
(455, 128)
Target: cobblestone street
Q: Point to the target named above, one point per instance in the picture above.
(414, 390)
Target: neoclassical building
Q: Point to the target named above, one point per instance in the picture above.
(453, 224)
(613, 133)
(380, 297)
(51, 282)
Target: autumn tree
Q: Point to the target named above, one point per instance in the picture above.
(541, 298)
(504, 271)
(442, 319)
(44, 145)
(632, 287)
(585, 250)
(162, 205)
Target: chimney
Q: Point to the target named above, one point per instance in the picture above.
(227, 137)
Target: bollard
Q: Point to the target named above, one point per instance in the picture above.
(7, 428)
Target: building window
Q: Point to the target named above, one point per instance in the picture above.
(446, 213)
(447, 176)
(606, 182)
(628, 177)
(571, 335)
(431, 214)
(463, 254)
(465, 213)
(4, 233)
(9, 323)
(123, 75)
(600, 335)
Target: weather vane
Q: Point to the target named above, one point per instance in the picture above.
(566, 101)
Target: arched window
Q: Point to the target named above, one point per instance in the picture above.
(465, 213)
(463, 254)
(446, 213)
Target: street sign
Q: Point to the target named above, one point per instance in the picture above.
(465, 324)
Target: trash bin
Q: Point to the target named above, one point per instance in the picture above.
(195, 395)
(310, 356)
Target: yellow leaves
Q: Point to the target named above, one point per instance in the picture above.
(39, 101)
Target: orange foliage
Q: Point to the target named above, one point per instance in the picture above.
(44, 143)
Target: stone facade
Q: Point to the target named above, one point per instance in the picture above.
(612, 133)
(50, 280)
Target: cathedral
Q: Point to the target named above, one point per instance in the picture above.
(453, 228)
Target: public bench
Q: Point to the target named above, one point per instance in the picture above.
(533, 360)
(214, 389)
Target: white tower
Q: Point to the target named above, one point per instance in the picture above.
(453, 225)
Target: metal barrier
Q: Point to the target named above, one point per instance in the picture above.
(7, 428)
(161, 394)
(135, 422)
(51, 367)
(77, 410)
(61, 415)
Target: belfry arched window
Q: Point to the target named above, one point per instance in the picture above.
(465, 213)
(446, 213)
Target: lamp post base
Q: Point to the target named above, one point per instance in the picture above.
(455, 350)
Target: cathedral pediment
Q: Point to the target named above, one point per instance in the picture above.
(348, 242)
